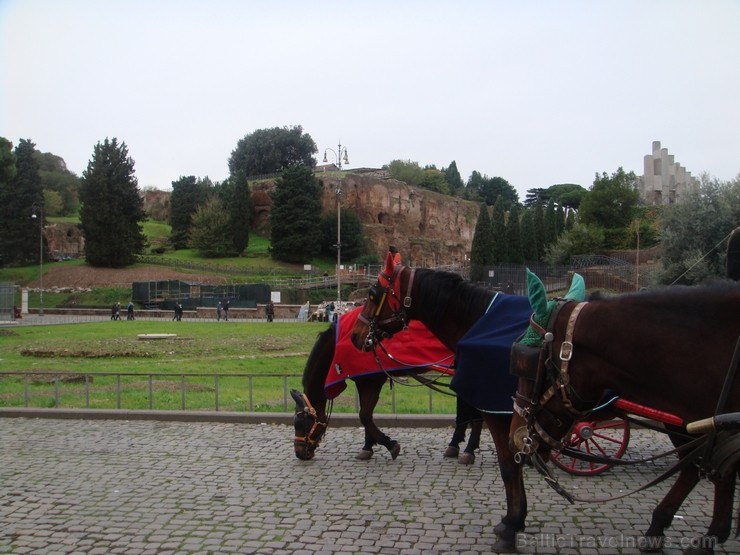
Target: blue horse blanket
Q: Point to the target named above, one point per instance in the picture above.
(482, 376)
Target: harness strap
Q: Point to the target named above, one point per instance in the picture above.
(696, 447)
(566, 353)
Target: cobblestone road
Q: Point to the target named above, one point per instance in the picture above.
(137, 487)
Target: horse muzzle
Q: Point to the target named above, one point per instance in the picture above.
(303, 450)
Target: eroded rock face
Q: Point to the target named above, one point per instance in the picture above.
(428, 228)
(63, 240)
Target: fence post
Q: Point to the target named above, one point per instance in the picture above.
(215, 379)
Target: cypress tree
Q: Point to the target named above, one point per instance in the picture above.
(296, 208)
(112, 209)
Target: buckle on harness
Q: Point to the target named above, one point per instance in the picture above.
(566, 351)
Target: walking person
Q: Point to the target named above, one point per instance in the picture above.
(226, 310)
(219, 308)
(270, 310)
(130, 311)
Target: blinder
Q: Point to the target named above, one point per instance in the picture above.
(525, 361)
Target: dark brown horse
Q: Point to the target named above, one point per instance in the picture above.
(669, 349)
(311, 418)
(449, 306)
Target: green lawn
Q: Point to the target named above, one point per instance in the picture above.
(239, 366)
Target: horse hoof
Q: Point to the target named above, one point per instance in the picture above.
(504, 546)
(651, 544)
(466, 459)
(395, 450)
(364, 455)
(452, 452)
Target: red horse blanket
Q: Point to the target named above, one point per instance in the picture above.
(408, 350)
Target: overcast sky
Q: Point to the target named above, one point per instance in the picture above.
(536, 92)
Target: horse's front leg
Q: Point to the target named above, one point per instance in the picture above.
(513, 478)
(369, 388)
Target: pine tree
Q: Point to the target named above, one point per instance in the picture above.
(188, 193)
(296, 208)
(481, 249)
(237, 204)
(112, 210)
(20, 190)
(209, 231)
(498, 230)
(514, 236)
(529, 237)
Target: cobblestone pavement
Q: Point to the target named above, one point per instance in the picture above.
(139, 487)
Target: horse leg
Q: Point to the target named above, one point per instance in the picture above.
(458, 436)
(368, 389)
(468, 455)
(719, 527)
(513, 478)
(665, 511)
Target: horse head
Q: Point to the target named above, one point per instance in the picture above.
(385, 311)
(543, 410)
(309, 428)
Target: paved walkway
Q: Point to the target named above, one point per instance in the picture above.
(140, 487)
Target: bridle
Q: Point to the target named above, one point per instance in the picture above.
(387, 290)
(313, 437)
(551, 379)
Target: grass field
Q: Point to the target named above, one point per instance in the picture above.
(230, 366)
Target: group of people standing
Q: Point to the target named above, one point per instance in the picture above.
(222, 309)
(115, 311)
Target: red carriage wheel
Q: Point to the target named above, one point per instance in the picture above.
(607, 438)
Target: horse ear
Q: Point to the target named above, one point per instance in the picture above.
(389, 266)
(298, 398)
(577, 291)
(537, 296)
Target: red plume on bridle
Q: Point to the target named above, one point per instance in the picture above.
(385, 276)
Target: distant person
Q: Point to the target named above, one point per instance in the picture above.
(178, 312)
(270, 310)
(115, 311)
(130, 311)
(226, 310)
(329, 311)
(219, 308)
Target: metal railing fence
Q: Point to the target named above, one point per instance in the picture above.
(183, 391)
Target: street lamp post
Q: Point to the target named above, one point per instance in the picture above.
(341, 155)
(40, 209)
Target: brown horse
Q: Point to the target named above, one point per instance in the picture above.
(669, 349)
(449, 306)
(311, 417)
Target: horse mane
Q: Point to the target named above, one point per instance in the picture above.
(688, 300)
(314, 373)
(447, 290)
